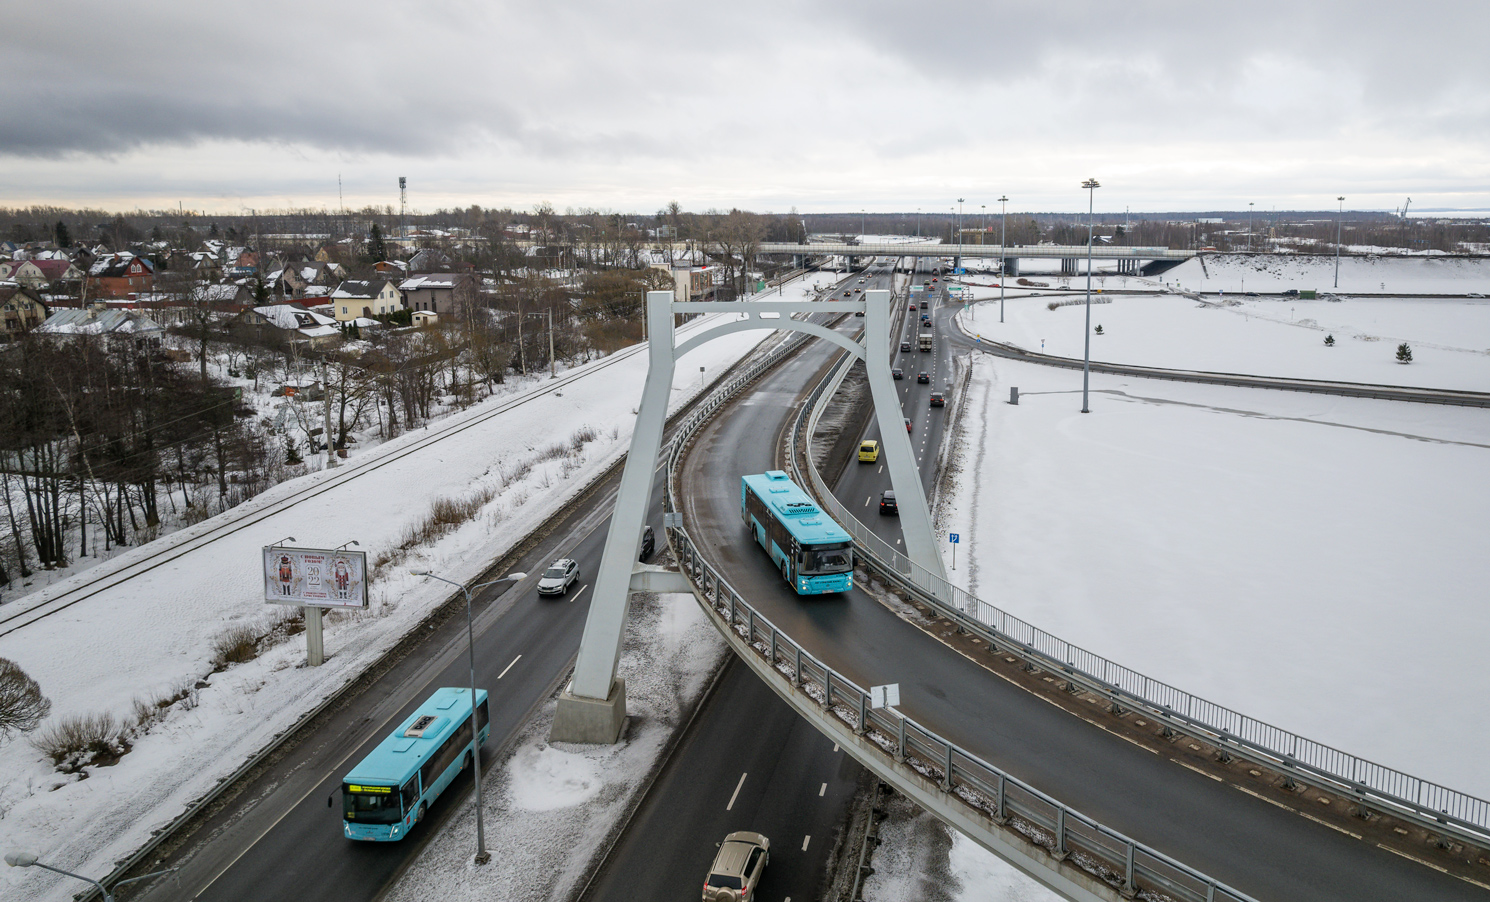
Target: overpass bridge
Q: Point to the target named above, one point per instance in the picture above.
(1130, 259)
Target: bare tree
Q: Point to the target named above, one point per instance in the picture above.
(22, 706)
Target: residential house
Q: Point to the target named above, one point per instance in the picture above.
(391, 269)
(24, 272)
(21, 310)
(373, 297)
(430, 260)
(99, 321)
(120, 275)
(279, 324)
(228, 297)
(424, 318)
(448, 293)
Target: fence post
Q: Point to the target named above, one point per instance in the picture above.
(900, 740)
(1001, 814)
(947, 773)
(863, 715)
(1060, 835)
(1130, 889)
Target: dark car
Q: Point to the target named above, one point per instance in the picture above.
(649, 544)
(938, 399)
(887, 503)
(897, 373)
(923, 378)
(905, 346)
(1291, 292)
(923, 307)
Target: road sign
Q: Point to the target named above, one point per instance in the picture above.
(953, 537)
(886, 696)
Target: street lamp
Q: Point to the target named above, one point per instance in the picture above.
(1338, 217)
(1003, 259)
(918, 222)
(482, 856)
(1091, 186)
(1249, 225)
(861, 223)
(984, 230)
(28, 860)
(958, 263)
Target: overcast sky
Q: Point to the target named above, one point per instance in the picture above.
(823, 106)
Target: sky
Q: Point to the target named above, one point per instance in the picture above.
(821, 106)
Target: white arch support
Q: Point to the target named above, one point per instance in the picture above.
(593, 707)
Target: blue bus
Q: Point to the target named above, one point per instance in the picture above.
(389, 791)
(815, 555)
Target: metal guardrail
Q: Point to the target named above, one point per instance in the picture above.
(1372, 786)
(910, 751)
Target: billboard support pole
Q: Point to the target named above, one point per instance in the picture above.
(315, 647)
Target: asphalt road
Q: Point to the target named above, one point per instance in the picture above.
(1261, 849)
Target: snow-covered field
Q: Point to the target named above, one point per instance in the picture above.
(1299, 558)
(1449, 337)
(550, 808)
(1367, 275)
(153, 635)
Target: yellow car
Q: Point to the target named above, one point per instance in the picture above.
(869, 452)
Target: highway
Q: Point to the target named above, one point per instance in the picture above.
(1245, 841)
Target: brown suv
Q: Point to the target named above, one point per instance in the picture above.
(737, 868)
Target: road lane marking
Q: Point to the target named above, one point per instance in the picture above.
(509, 667)
(808, 838)
(823, 790)
(736, 793)
(579, 593)
(867, 500)
(835, 746)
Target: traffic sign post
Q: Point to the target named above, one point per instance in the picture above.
(886, 696)
(954, 538)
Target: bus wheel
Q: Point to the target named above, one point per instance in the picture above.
(786, 573)
(419, 816)
(465, 762)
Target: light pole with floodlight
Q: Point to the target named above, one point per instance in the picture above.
(959, 237)
(28, 860)
(1249, 225)
(1003, 252)
(1091, 186)
(1338, 217)
(482, 856)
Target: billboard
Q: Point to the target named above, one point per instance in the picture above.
(313, 576)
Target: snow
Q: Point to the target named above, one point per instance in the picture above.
(1266, 550)
(550, 809)
(1371, 274)
(288, 316)
(152, 634)
(1450, 338)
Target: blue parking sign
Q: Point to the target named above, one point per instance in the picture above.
(952, 537)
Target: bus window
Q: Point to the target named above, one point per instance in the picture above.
(370, 804)
(482, 716)
(410, 793)
(835, 558)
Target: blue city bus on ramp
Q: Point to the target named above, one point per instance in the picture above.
(814, 554)
(390, 790)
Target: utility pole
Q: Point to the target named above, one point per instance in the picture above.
(1338, 216)
(1091, 186)
(1003, 252)
(553, 372)
(1249, 225)
(326, 395)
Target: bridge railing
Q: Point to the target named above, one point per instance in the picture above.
(1372, 786)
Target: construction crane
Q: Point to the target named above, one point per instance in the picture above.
(1402, 214)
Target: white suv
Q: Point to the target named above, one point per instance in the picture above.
(559, 576)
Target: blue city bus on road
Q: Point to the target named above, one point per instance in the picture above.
(814, 554)
(389, 791)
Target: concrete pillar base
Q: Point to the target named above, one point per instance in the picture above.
(590, 720)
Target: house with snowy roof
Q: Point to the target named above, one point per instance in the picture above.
(99, 321)
(120, 275)
(443, 293)
(21, 310)
(369, 298)
(277, 325)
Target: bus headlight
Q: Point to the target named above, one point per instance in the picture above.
(395, 830)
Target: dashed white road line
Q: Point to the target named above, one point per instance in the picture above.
(805, 840)
(736, 793)
(820, 792)
(509, 667)
(579, 593)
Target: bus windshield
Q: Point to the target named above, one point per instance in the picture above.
(370, 804)
(837, 557)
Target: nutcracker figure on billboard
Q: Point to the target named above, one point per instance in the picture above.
(343, 577)
(286, 574)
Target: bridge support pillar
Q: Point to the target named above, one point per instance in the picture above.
(1068, 266)
(1011, 266)
(593, 707)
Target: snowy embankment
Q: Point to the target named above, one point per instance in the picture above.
(1450, 338)
(1266, 550)
(1210, 273)
(550, 808)
(152, 636)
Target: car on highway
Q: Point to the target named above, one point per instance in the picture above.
(923, 378)
(925, 319)
(869, 451)
(923, 307)
(905, 346)
(649, 544)
(897, 373)
(737, 868)
(938, 399)
(933, 279)
(559, 576)
(907, 424)
(911, 306)
(888, 507)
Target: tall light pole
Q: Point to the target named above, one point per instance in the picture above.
(958, 263)
(1338, 217)
(984, 230)
(482, 856)
(1091, 186)
(861, 222)
(918, 222)
(1249, 225)
(28, 860)
(1003, 252)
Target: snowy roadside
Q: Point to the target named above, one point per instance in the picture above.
(1265, 550)
(551, 808)
(152, 637)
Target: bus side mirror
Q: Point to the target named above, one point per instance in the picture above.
(331, 800)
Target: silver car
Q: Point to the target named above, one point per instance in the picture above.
(559, 576)
(737, 868)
